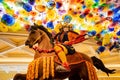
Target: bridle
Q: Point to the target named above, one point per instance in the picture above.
(44, 50)
(38, 38)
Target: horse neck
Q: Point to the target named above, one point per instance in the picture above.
(45, 43)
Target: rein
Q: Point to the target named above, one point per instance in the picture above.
(36, 40)
(42, 50)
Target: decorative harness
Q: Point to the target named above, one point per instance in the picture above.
(42, 50)
(36, 40)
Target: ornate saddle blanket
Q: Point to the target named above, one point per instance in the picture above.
(47, 61)
(75, 58)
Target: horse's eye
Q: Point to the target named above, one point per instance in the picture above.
(40, 33)
(32, 32)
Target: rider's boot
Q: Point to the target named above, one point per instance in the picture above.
(63, 68)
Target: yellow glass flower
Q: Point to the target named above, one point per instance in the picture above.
(23, 12)
(3, 27)
(15, 27)
(51, 15)
(40, 8)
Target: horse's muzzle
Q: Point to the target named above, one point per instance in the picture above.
(28, 44)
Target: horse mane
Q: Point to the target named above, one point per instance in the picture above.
(41, 27)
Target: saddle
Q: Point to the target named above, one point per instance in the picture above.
(72, 59)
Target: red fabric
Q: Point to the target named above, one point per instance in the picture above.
(79, 39)
(66, 66)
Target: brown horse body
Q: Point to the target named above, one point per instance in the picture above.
(80, 64)
(71, 36)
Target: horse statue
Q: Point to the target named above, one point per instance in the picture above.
(72, 38)
(43, 67)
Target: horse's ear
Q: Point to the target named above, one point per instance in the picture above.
(38, 26)
(34, 27)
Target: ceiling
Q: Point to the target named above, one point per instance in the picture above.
(15, 56)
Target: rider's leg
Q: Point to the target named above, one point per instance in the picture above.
(62, 55)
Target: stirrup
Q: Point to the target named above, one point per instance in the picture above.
(62, 69)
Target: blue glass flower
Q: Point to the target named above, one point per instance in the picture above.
(111, 29)
(118, 33)
(101, 49)
(58, 5)
(50, 4)
(31, 2)
(50, 25)
(96, 1)
(1, 1)
(7, 19)
(27, 7)
(83, 6)
(116, 9)
(116, 17)
(92, 33)
(67, 18)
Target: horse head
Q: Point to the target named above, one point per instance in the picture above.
(37, 35)
(34, 37)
